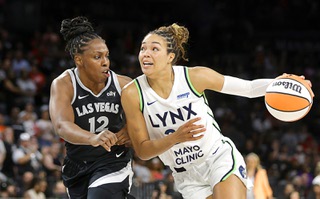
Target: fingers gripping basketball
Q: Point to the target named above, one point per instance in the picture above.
(288, 98)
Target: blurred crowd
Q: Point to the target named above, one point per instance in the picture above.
(222, 36)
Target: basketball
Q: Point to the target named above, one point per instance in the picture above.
(288, 98)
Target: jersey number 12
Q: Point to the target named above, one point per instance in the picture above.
(102, 120)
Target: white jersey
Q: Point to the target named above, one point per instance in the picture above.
(165, 116)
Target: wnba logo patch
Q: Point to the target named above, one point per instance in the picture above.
(184, 95)
(242, 171)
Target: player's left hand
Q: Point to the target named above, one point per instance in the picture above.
(123, 137)
(105, 138)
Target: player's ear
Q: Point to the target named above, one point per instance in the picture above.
(77, 60)
(171, 57)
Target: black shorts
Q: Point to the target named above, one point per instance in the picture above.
(78, 176)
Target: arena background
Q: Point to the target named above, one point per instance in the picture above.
(243, 38)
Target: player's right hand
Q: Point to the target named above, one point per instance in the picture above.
(307, 81)
(105, 138)
(123, 137)
(190, 131)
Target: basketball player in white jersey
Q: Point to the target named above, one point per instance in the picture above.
(168, 116)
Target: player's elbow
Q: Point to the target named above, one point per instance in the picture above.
(142, 155)
(144, 158)
(59, 129)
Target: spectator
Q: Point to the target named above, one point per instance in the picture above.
(37, 189)
(27, 117)
(52, 161)
(10, 90)
(27, 157)
(3, 154)
(294, 195)
(24, 183)
(44, 128)
(172, 189)
(142, 173)
(9, 143)
(27, 86)
(19, 62)
(8, 190)
(40, 80)
(316, 182)
(258, 175)
(287, 190)
(15, 123)
(160, 192)
(37, 77)
(156, 167)
(59, 191)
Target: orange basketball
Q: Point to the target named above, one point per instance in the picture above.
(288, 98)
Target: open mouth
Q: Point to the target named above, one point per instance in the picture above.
(106, 72)
(147, 63)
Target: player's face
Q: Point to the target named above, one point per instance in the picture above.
(153, 55)
(94, 63)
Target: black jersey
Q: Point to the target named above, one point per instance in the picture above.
(95, 113)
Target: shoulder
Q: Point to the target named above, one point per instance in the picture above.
(203, 78)
(130, 96)
(130, 87)
(195, 71)
(198, 69)
(131, 90)
(63, 81)
(63, 77)
(123, 80)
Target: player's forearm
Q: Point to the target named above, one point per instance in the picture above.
(72, 133)
(245, 88)
(151, 148)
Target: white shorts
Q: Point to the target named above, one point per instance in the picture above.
(198, 181)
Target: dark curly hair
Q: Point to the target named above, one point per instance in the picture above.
(77, 32)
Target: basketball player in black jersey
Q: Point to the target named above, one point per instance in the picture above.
(86, 112)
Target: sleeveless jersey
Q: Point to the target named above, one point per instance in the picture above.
(165, 116)
(95, 113)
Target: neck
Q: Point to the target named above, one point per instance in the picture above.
(93, 86)
(163, 83)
